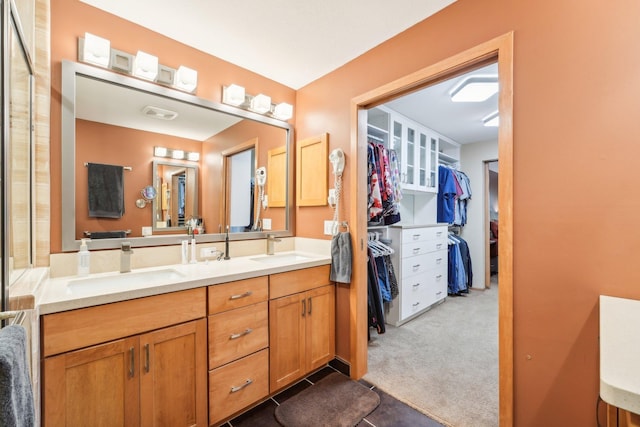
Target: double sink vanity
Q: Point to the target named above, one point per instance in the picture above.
(191, 344)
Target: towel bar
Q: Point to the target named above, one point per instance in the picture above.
(4, 315)
(127, 168)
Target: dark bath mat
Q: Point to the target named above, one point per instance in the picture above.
(334, 401)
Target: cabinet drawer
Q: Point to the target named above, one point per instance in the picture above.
(238, 294)
(237, 333)
(292, 282)
(423, 247)
(75, 329)
(422, 263)
(237, 385)
(423, 234)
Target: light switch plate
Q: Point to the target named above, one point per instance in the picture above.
(266, 223)
(328, 227)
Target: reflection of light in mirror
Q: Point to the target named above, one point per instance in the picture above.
(261, 103)
(177, 154)
(193, 156)
(145, 65)
(97, 50)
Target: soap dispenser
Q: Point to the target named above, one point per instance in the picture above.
(84, 258)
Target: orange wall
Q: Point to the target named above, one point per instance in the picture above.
(70, 19)
(576, 130)
(114, 145)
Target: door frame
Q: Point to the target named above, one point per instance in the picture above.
(486, 210)
(499, 49)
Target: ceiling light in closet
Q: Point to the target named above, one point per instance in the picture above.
(475, 89)
(492, 120)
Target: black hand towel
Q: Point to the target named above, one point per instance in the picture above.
(120, 234)
(106, 190)
(16, 395)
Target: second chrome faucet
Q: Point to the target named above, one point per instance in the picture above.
(271, 239)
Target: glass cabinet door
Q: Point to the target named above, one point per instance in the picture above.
(423, 157)
(398, 145)
(411, 157)
(433, 164)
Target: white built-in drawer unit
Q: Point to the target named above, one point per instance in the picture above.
(420, 263)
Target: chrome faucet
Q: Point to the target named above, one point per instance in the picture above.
(271, 239)
(125, 257)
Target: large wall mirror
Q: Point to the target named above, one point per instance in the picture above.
(117, 121)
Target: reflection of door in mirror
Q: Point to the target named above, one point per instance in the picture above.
(19, 149)
(239, 186)
(177, 188)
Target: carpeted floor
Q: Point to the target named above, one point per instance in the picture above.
(445, 362)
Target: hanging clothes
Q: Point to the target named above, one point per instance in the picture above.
(384, 193)
(454, 192)
(374, 297)
(460, 273)
(382, 281)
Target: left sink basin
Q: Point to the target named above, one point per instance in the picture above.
(92, 285)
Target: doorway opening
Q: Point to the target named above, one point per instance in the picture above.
(500, 50)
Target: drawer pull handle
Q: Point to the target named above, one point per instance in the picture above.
(439, 276)
(309, 312)
(146, 358)
(304, 307)
(416, 250)
(416, 236)
(439, 292)
(438, 261)
(240, 387)
(439, 245)
(416, 285)
(416, 266)
(246, 294)
(241, 334)
(132, 361)
(416, 304)
(438, 233)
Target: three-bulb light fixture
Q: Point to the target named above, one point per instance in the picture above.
(236, 95)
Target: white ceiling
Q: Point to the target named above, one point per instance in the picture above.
(293, 42)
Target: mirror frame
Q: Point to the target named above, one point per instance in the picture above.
(69, 243)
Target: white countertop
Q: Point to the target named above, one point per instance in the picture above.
(620, 352)
(409, 226)
(56, 295)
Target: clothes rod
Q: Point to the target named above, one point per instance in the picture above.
(127, 168)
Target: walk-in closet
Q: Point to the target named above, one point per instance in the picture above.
(432, 306)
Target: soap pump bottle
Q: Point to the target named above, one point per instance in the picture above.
(84, 257)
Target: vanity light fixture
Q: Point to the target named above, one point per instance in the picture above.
(235, 95)
(176, 154)
(475, 89)
(492, 120)
(186, 79)
(145, 66)
(96, 50)
(283, 111)
(260, 103)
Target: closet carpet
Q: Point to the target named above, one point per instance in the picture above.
(445, 362)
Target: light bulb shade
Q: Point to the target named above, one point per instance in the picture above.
(96, 50)
(475, 89)
(233, 95)
(283, 111)
(186, 79)
(193, 156)
(178, 154)
(160, 151)
(261, 103)
(145, 66)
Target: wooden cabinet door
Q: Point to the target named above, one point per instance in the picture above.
(173, 384)
(97, 386)
(286, 340)
(320, 327)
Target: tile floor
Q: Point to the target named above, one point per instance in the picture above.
(390, 413)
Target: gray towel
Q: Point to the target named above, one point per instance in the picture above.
(16, 395)
(120, 234)
(341, 258)
(106, 190)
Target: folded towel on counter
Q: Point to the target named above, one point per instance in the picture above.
(341, 258)
(120, 234)
(16, 394)
(106, 190)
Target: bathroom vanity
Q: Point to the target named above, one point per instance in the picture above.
(186, 344)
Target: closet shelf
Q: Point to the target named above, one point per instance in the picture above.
(445, 158)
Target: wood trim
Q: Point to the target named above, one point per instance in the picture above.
(224, 205)
(312, 176)
(291, 282)
(276, 183)
(487, 232)
(70, 330)
(500, 48)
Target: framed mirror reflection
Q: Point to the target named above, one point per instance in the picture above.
(119, 120)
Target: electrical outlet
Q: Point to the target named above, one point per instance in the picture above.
(208, 252)
(328, 227)
(266, 223)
